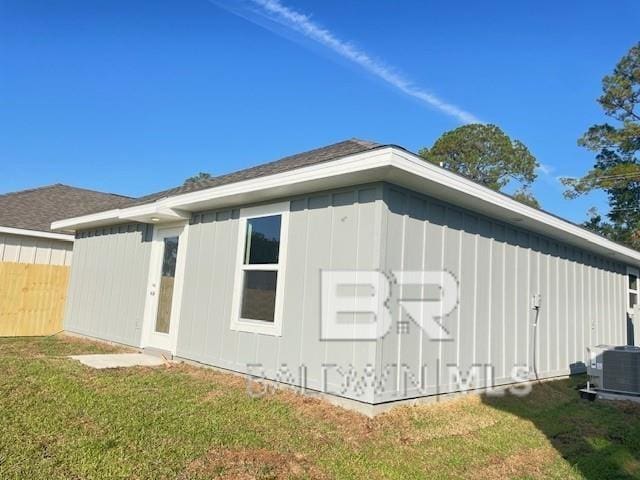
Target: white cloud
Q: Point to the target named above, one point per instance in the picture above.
(546, 169)
(276, 11)
(548, 174)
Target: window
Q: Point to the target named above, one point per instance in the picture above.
(257, 301)
(633, 287)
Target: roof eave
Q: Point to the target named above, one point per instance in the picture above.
(391, 164)
(24, 232)
(353, 169)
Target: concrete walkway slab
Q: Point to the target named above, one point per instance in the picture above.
(119, 360)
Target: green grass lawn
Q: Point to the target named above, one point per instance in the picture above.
(59, 419)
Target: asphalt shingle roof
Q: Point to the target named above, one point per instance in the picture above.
(311, 157)
(36, 208)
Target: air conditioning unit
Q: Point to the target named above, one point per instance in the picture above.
(615, 369)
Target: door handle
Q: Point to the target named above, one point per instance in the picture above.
(152, 293)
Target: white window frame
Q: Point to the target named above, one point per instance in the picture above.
(633, 271)
(259, 326)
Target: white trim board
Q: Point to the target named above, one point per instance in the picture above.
(390, 164)
(37, 233)
(148, 338)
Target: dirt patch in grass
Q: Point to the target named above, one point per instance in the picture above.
(320, 409)
(59, 345)
(533, 463)
(632, 467)
(251, 463)
(629, 408)
(403, 425)
(418, 423)
(351, 427)
(202, 372)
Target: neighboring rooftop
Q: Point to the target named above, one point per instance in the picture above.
(36, 208)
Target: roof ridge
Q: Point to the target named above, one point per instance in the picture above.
(53, 185)
(95, 191)
(315, 155)
(364, 142)
(32, 189)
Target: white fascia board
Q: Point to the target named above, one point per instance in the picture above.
(37, 233)
(87, 221)
(138, 213)
(145, 213)
(531, 218)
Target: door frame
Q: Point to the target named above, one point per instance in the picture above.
(150, 338)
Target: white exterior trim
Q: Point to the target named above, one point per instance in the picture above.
(391, 164)
(149, 338)
(37, 233)
(636, 272)
(68, 223)
(257, 326)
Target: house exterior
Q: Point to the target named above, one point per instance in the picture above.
(34, 260)
(232, 272)
(26, 216)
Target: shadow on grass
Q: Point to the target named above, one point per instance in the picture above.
(600, 439)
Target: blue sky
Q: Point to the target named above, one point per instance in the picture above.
(133, 97)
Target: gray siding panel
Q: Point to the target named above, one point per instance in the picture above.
(483, 333)
(338, 230)
(107, 289)
(499, 267)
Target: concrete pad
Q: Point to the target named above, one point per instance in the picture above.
(119, 360)
(621, 397)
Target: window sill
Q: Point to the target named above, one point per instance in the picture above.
(256, 326)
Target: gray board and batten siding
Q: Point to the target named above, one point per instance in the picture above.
(338, 229)
(373, 227)
(108, 284)
(499, 267)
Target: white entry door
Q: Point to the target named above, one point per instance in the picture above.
(164, 291)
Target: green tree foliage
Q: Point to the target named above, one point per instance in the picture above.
(485, 154)
(199, 177)
(524, 195)
(617, 167)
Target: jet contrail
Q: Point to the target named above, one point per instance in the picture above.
(276, 11)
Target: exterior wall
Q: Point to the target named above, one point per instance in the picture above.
(499, 267)
(43, 251)
(108, 284)
(371, 227)
(339, 229)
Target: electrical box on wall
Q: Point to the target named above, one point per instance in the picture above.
(535, 301)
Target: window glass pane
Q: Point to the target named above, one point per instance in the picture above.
(263, 240)
(633, 300)
(259, 295)
(165, 292)
(633, 282)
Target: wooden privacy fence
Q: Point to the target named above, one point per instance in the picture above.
(32, 299)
